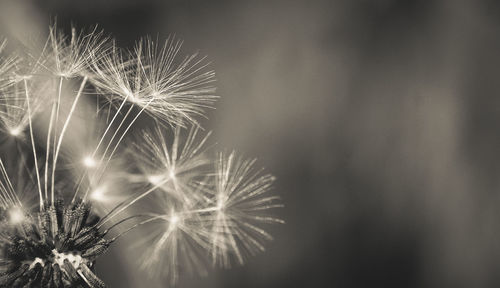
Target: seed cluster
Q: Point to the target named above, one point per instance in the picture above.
(56, 248)
(94, 124)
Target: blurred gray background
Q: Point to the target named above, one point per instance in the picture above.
(379, 118)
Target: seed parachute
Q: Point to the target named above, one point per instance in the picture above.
(97, 141)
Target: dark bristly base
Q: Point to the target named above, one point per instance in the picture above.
(56, 247)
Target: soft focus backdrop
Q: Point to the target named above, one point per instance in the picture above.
(379, 118)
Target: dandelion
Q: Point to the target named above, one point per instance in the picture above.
(107, 142)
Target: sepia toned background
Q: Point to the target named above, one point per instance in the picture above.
(380, 119)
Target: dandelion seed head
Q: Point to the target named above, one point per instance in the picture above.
(52, 252)
(95, 172)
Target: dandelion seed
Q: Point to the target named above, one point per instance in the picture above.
(71, 57)
(176, 239)
(14, 116)
(239, 195)
(151, 78)
(175, 161)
